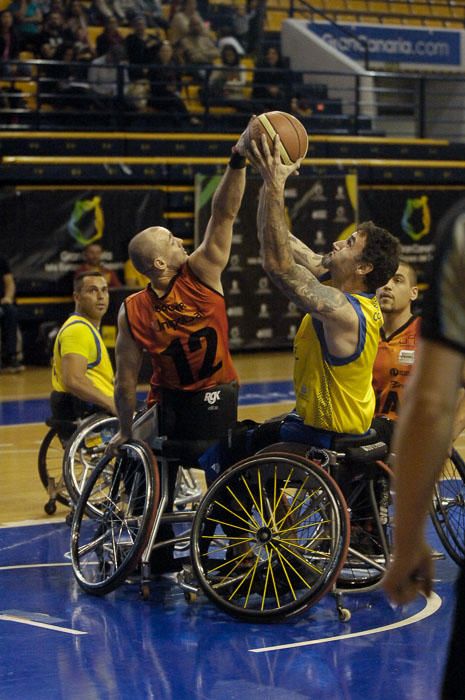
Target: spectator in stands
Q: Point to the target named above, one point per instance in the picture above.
(180, 23)
(77, 23)
(198, 48)
(93, 263)
(132, 277)
(110, 36)
(153, 12)
(165, 81)
(256, 11)
(76, 17)
(101, 10)
(82, 374)
(8, 320)
(227, 82)
(53, 34)
(141, 48)
(28, 17)
(241, 22)
(137, 99)
(271, 82)
(9, 44)
(108, 75)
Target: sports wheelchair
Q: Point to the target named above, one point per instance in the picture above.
(71, 449)
(448, 507)
(272, 535)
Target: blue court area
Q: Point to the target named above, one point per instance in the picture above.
(37, 410)
(57, 641)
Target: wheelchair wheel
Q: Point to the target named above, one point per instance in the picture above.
(448, 507)
(106, 548)
(84, 450)
(269, 537)
(371, 528)
(50, 466)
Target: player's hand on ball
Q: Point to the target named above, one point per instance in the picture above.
(268, 163)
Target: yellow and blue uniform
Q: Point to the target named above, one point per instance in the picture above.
(335, 394)
(80, 337)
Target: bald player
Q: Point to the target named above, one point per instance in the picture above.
(180, 320)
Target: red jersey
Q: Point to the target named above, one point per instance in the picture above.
(393, 365)
(185, 333)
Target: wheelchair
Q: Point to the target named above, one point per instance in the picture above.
(448, 507)
(272, 535)
(50, 458)
(71, 449)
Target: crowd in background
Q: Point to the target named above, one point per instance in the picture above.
(143, 55)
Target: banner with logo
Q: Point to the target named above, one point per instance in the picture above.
(403, 46)
(44, 231)
(319, 211)
(412, 214)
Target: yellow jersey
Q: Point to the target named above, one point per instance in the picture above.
(79, 336)
(336, 393)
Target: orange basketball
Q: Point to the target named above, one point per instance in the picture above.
(294, 137)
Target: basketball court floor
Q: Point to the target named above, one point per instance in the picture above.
(57, 641)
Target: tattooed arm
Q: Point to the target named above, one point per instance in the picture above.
(294, 279)
(306, 257)
(297, 281)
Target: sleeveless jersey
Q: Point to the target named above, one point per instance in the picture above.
(185, 333)
(393, 365)
(79, 336)
(334, 393)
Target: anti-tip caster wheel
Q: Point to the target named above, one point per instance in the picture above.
(50, 507)
(344, 614)
(190, 596)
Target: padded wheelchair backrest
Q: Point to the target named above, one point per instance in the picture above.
(201, 415)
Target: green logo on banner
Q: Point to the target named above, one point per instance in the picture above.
(416, 219)
(86, 221)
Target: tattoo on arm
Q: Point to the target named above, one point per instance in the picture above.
(307, 292)
(303, 255)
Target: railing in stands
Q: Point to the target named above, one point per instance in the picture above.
(36, 95)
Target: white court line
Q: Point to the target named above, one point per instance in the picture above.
(34, 623)
(54, 628)
(433, 603)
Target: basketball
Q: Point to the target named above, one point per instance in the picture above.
(293, 135)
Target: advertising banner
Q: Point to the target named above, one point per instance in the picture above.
(44, 231)
(411, 213)
(319, 211)
(406, 47)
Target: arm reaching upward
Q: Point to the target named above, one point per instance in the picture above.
(279, 252)
(211, 257)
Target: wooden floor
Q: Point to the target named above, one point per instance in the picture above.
(22, 496)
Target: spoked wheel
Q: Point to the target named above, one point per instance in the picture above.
(83, 452)
(448, 507)
(50, 466)
(368, 499)
(106, 548)
(269, 537)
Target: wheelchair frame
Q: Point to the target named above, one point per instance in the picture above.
(66, 461)
(295, 519)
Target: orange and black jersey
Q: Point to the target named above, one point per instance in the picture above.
(393, 365)
(185, 332)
